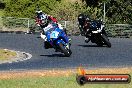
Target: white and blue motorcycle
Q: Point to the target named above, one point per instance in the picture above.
(57, 39)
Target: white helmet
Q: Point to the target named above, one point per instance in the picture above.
(44, 18)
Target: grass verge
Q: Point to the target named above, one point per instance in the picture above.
(6, 54)
(56, 79)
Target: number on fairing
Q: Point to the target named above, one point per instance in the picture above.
(54, 34)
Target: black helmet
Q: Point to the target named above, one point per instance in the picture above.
(39, 12)
(83, 17)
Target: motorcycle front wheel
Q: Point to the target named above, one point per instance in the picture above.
(106, 40)
(64, 50)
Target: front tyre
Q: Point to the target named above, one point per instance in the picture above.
(106, 40)
(65, 50)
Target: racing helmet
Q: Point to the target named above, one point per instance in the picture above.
(39, 12)
(42, 16)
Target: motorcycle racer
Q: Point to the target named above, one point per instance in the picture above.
(46, 22)
(84, 22)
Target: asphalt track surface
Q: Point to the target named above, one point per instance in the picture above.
(88, 55)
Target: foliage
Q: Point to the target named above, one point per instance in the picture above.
(117, 11)
(69, 11)
(26, 8)
(90, 3)
(66, 10)
(120, 11)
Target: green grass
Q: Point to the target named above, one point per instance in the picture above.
(54, 82)
(6, 54)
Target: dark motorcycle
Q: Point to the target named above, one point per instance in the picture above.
(95, 31)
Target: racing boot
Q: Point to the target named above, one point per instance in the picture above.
(46, 46)
(69, 40)
(43, 36)
(87, 39)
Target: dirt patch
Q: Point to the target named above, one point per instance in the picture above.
(15, 57)
(68, 72)
(34, 73)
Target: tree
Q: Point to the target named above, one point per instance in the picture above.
(26, 8)
(2, 4)
(119, 11)
(91, 3)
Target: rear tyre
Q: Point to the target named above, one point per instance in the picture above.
(64, 50)
(99, 44)
(106, 40)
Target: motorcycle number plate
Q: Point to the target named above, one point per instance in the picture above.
(54, 34)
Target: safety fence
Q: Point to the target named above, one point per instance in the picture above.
(26, 25)
(119, 30)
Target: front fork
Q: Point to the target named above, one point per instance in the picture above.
(67, 41)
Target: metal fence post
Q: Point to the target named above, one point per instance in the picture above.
(104, 12)
(28, 23)
(28, 26)
(65, 24)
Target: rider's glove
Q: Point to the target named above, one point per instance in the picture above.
(38, 25)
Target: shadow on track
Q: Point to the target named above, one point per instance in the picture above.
(91, 46)
(54, 55)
